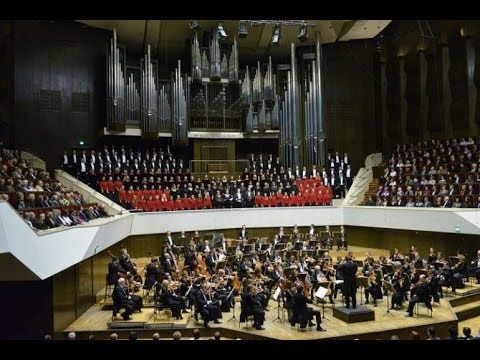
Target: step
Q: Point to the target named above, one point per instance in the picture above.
(468, 311)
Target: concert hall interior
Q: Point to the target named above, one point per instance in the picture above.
(239, 179)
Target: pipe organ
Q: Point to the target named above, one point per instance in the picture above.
(214, 98)
(116, 107)
(180, 90)
(314, 150)
(133, 98)
(149, 96)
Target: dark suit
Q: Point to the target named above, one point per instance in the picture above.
(242, 235)
(349, 270)
(254, 307)
(121, 299)
(302, 313)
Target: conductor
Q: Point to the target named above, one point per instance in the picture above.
(349, 270)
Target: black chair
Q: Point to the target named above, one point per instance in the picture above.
(246, 313)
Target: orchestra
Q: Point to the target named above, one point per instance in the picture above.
(206, 278)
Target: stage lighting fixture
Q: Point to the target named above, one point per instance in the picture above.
(302, 35)
(276, 35)
(221, 31)
(193, 24)
(242, 29)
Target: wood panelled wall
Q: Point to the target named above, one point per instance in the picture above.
(429, 81)
(63, 57)
(6, 81)
(350, 84)
(74, 289)
(27, 309)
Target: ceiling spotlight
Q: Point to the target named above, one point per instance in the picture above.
(193, 24)
(276, 35)
(302, 35)
(221, 32)
(242, 29)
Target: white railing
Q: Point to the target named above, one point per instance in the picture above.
(372, 160)
(359, 187)
(36, 162)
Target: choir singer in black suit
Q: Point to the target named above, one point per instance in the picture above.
(349, 270)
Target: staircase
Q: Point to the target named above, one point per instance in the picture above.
(466, 307)
(372, 190)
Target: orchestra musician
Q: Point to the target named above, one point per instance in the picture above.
(374, 288)
(422, 294)
(121, 299)
(153, 273)
(476, 267)
(209, 305)
(254, 307)
(243, 234)
(302, 313)
(342, 239)
(131, 268)
(169, 298)
(170, 242)
(401, 287)
(115, 270)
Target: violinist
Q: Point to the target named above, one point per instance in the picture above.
(374, 288)
(208, 304)
(401, 287)
(254, 307)
(422, 294)
(169, 298)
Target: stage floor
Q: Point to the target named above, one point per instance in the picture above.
(384, 325)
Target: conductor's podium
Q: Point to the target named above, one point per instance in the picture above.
(359, 314)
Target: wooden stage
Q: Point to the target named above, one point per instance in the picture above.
(97, 321)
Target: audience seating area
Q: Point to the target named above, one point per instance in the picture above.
(432, 173)
(42, 201)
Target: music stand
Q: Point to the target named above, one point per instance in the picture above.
(288, 272)
(233, 318)
(264, 247)
(387, 286)
(276, 297)
(362, 282)
(321, 293)
(247, 248)
(298, 245)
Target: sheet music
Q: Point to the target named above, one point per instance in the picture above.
(276, 294)
(321, 292)
(338, 281)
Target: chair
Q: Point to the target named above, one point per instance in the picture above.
(245, 313)
(108, 288)
(160, 306)
(430, 309)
